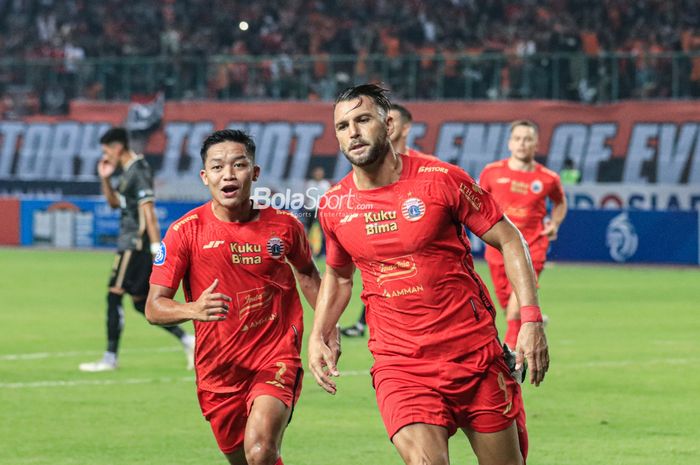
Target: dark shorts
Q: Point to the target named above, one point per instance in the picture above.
(131, 271)
(227, 413)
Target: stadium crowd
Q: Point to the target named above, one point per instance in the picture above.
(308, 49)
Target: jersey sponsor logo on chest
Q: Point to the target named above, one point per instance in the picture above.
(394, 268)
(213, 245)
(253, 300)
(405, 291)
(380, 222)
(245, 253)
(519, 187)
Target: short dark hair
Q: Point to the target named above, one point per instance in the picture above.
(373, 91)
(232, 135)
(524, 122)
(116, 134)
(403, 111)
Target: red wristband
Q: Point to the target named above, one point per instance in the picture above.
(530, 314)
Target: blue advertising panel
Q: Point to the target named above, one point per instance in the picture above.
(628, 237)
(80, 222)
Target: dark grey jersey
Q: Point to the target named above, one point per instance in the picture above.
(135, 188)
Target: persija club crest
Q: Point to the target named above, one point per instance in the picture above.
(275, 247)
(413, 209)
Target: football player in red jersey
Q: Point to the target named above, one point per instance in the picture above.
(233, 260)
(402, 127)
(521, 186)
(438, 364)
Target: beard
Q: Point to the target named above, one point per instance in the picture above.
(376, 152)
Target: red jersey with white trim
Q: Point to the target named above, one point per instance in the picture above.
(265, 319)
(523, 196)
(423, 297)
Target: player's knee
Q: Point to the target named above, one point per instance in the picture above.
(261, 451)
(418, 454)
(421, 457)
(114, 302)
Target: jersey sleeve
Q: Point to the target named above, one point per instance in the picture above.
(143, 185)
(172, 261)
(336, 255)
(485, 179)
(473, 206)
(300, 254)
(556, 194)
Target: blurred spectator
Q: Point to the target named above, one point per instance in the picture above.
(307, 48)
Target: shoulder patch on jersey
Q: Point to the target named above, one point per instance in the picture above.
(159, 259)
(469, 194)
(183, 221)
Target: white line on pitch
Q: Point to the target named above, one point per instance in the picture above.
(90, 382)
(111, 382)
(87, 353)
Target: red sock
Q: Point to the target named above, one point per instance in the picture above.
(512, 333)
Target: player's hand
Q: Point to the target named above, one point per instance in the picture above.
(532, 346)
(334, 343)
(550, 230)
(211, 306)
(322, 362)
(105, 168)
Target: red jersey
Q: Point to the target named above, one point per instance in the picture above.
(523, 195)
(423, 297)
(415, 153)
(265, 319)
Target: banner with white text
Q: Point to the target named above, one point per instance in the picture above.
(633, 143)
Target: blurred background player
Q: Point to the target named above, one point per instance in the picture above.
(569, 174)
(315, 187)
(402, 127)
(234, 262)
(438, 365)
(521, 186)
(139, 240)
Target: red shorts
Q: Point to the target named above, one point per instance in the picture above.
(476, 392)
(227, 412)
(500, 280)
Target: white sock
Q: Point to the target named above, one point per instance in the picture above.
(110, 357)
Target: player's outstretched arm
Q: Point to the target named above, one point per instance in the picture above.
(161, 309)
(532, 342)
(324, 350)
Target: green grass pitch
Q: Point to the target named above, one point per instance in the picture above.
(622, 389)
